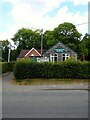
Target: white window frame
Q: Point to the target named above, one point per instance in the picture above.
(52, 57)
(66, 56)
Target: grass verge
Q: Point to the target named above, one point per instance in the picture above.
(48, 81)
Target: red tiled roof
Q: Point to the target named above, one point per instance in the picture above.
(24, 52)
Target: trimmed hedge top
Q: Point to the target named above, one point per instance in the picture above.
(27, 69)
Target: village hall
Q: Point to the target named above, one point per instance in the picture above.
(59, 52)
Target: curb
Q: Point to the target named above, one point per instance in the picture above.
(65, 89)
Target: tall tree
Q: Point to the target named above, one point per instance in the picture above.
(85, 47)
(49, 39)
(26, 39)
(4, 49)
(67, 33)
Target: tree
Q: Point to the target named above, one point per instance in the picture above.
(13, 55)
(26, 39)
(49, 39)
(67, 33)
(4, 49)
(85, 47)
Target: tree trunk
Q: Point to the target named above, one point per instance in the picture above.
(83, 57)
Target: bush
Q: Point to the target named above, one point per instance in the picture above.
(27, 69)
(5, 67)
(11, 66)
(0, 68)
(1, 59)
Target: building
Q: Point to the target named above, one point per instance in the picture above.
(33, 53)
(59, 52)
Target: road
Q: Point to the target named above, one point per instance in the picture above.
(34, 102)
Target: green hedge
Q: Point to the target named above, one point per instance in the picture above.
(5, 67)
(11, 66)
(26, 69)
(1, 59)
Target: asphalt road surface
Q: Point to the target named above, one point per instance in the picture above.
(30, 102)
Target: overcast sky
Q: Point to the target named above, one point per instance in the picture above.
(46, 14)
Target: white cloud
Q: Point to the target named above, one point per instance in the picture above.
(64, 15)
(33, 14)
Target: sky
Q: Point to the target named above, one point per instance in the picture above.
(38, 14)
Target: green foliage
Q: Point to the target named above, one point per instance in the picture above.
(85, 47)
(0, 68)
(1, 59)
(69, 69)
(5, 67)
(49, 39)
(11, 66)
(4, 49)
(23, 65)
(67, 33)
(13, 55)
(27, 38)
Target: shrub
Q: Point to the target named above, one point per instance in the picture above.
(0, 68)
(24, 67)
(1, 59)
(11, 66)
(5, 67)
(71, 69)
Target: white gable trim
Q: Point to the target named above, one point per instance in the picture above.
(35, 51)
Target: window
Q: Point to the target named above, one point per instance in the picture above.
(54, 57)
(65, 56)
